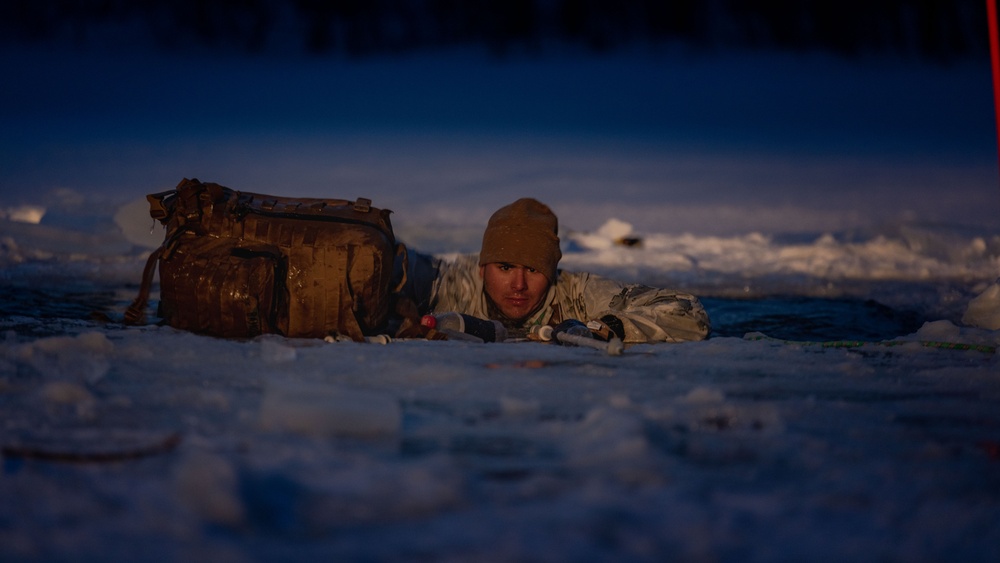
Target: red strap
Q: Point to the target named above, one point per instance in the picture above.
(991, 15)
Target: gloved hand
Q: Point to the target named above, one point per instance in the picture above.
(597, 329)
(571, 326)
(575, 333)
(614, 325)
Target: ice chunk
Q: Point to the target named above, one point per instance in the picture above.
(984, 310)
(513, 406)
(83, 357)
(66, 393)
(942, 331)
(612, 232)
(325, 410)
(946, 331)
(704, 395)
(273, 352)
(606, 435)
(615, 229)
(23, 213)
(207, 485)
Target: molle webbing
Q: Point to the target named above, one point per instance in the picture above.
(239, 264)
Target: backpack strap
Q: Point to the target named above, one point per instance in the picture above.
(136, 312)
(347, 323)
(405, 260)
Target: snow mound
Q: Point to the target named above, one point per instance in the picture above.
(984, 310)
(614, 232)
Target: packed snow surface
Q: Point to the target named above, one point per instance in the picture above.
(839, 222)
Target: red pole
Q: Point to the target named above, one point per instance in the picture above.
(991, 15)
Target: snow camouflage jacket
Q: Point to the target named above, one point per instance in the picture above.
(647, 314)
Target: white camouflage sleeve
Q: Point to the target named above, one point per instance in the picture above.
(639, 313)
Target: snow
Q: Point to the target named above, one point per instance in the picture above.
(984, 309)
(328, 411)
(727, 449)
(844, 215)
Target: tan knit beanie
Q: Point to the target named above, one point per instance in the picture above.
(525, 232)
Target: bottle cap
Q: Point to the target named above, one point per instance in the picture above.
(541, 332)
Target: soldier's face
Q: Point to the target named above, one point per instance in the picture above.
(516, 290)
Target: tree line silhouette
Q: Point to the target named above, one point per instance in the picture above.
(942, 30)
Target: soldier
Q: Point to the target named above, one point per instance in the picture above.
(515, 280)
